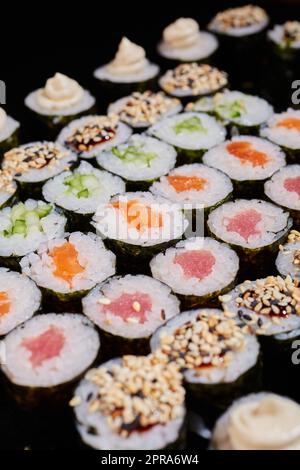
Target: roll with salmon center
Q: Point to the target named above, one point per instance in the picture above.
(127, 311)
(24, 226)
(262, 421)
(254, 228)
(140, 161)
(271, 308)
(67, 268)
(248, 161)
(132, 403)
(14, 287)
(191, 134)
(197, 270)
(284, 189)
(284, 129)
(288, 258)
(138, 225)
(218, 358)
(47, 355)
(88, 136)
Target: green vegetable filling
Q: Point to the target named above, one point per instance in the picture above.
(23, 220)
(192, 124)
(81, 185)
(232, 110)
(134, 154)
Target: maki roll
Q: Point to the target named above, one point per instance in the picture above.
(271, 308)
(33, 164)
(129, 70)
(284, 189)
(60, 101)
(193, 80)
(139, 225)
(288, 259)
(196, 186)
(248, 161)
(19, 300)
(242, 113)
(89, 135)
(81, 191)
(127, 311)
(284, 129)
(254, 228)
(8, 188)
(190, 133)
(198, 270)
(285, 39)
(132, 403)
(24, 226)
(218, 358)
(183, 41)
(142, 110)
(140, 161)
(67, 268)
(9, 128)
(46, 355)
(262, 421)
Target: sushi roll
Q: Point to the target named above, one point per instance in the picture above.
(262, 421)
(248, 161)
(33, 164)
(132, 403)
(140, 161)
(60, 101)
(271, 308)
(142, 110)
(128, 310)
(242, 113)
(81, 191)
(183, 41)
(67, 268)
(24, 226)
(285, 39)
(139, 225)
(89, 135)
(192, 80)
(20, 299)
(198, 270)
(288, 258)
(46, 356)
(190, 133)
(284, 189)
(9, 128)
(218, 358)
(130, 70)
(8, 188)
(196, 186)
(254, 228)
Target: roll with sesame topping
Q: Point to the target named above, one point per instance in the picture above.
(8, 188)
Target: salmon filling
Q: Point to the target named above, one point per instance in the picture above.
(127, 306)
(45, 346)
(245, 152)
(197, 264)
(138, 215)
(65, 258)
(4, 303)
(186, 183)
(245, 223)
(289, 123)
(293, 185)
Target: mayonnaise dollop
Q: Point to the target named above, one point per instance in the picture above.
(60, 92)
(183, 33)
(129, 59)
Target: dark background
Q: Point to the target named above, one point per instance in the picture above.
(36, 43)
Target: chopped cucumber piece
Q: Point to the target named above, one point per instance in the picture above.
(83, 193)
(90, 182)
(192, 124)
(32, 218)
(18, 212)
(44, 210)
(81, 185)
(19, 227)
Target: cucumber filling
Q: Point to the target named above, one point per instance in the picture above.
(23, 221)
(81, 185)
(134, 154)
(193, 124)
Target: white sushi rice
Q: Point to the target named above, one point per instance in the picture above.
(80, 348)
(241, 361)
(164, 306)
(123, 133)
(86, 102)
(288, 138)
(10, 126)
(285, 261)
(273, 224)
(112, 222)
(56, 191)
(276, 191)
(23, 296)
(52, 226)
(277, 36)
(224, 271)
(97, 261)
(241, 169)
(147, 73)
(212, 134)
(204, 47)
(216, 188)
(5, 195)
(162, 158)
